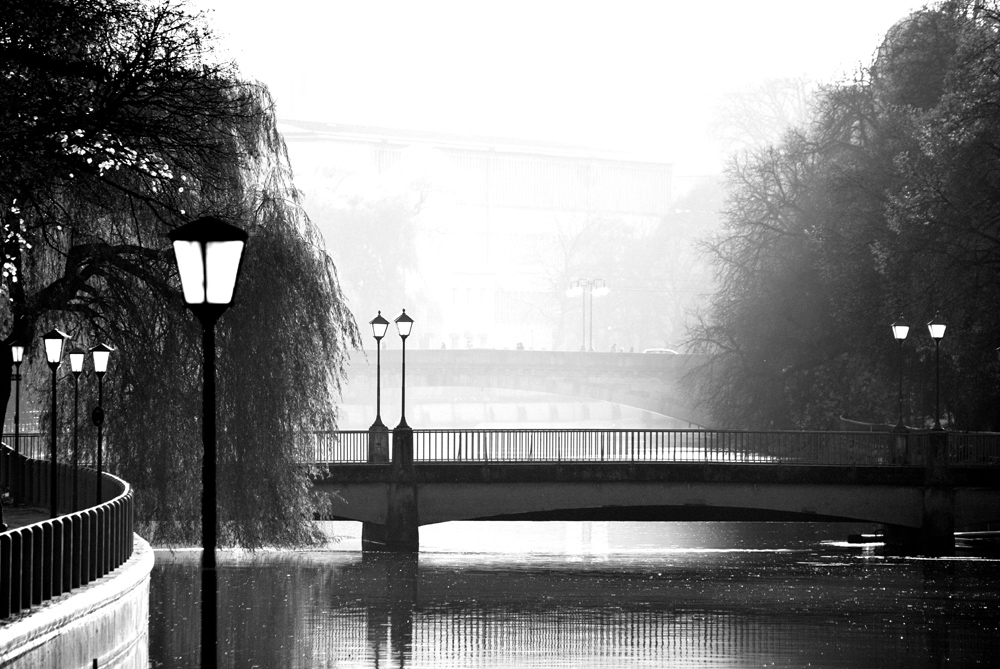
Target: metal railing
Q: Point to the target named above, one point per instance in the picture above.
(860, 448)
(52, 557)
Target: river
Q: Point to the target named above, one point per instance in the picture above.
(597, 594)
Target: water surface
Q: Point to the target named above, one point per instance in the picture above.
(492, 594)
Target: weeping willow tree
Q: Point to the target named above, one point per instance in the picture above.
(118, 124)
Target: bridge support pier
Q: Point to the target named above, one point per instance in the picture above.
(400, 533)
(936, 535)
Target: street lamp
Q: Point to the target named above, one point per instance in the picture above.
(596, 288)
(54, 341)
(403, 324)
(379, 327)
(208, 252)
(937, 327)
(899, 330)
(101, 354)
(76, 366)
(17, 355)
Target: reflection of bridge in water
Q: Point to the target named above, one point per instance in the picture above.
(922, 486)
(404, 612)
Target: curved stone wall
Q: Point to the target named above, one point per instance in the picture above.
(106, 621)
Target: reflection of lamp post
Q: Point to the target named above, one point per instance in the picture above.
(937, 327)
(899, 330)
(76, 366)
(101, 353)
(379, 326)
(404, 324)
(53, 354)
(595, 287)
(208, 252)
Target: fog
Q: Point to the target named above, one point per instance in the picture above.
(475, 162)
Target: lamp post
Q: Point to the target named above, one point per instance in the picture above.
(17, 356)
(594, 287)
(937, 327)
(899, 330)
(101, 354)
(208, 252)
(379, 327)
(76, 366)
(403, 324)
(54, 341)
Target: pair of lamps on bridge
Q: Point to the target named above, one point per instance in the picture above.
(595, 288)
(101, 353)
(404, 324)
(936, 328)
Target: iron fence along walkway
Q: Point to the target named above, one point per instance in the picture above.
(709, 446)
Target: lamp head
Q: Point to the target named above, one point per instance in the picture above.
(936, 327)
(208, 252)
(404, 324)
(101, 354)
(379, 326)
(76, 361)
(900, 329)
(54, 341)
(17, 352)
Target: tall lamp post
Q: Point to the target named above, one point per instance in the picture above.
(899, 330)
(379, 327)
(76, 366)
(403, 324)
(17, 356)
(937, 327)
(101, 354)
(208, 252)
(54, 341)
(593, 287)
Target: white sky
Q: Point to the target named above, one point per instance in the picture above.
(640, 76)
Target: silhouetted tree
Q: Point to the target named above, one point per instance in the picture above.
(885, 203)
(117, 124)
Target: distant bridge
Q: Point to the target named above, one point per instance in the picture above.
(661, 383)
(921, 485)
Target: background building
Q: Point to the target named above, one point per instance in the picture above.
(479, 238)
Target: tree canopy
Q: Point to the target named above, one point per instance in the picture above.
(118, 124)
(885, 203)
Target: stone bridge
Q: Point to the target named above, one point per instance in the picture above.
(661, 383)
(921, 486)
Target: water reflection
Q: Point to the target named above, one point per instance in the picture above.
(766, 596)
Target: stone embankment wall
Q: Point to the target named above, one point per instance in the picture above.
(106, 621)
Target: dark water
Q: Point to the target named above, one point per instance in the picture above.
(589, 595)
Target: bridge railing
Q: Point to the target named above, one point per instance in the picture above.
(48, 558)
(716, 446)
(596, 445)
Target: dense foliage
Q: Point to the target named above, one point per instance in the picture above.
(886, 203)
(117, 124)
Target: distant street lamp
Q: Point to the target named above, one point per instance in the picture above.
(379, 327)
(593, 287)
(899, 330)
(208, 252)
(403, 324)
(17, 355)
(54, 341)
(937, 327)
(76, 366)
(101, 354)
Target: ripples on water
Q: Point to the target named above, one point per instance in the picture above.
(586, 595)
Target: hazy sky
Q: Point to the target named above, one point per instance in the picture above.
(643, 77)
